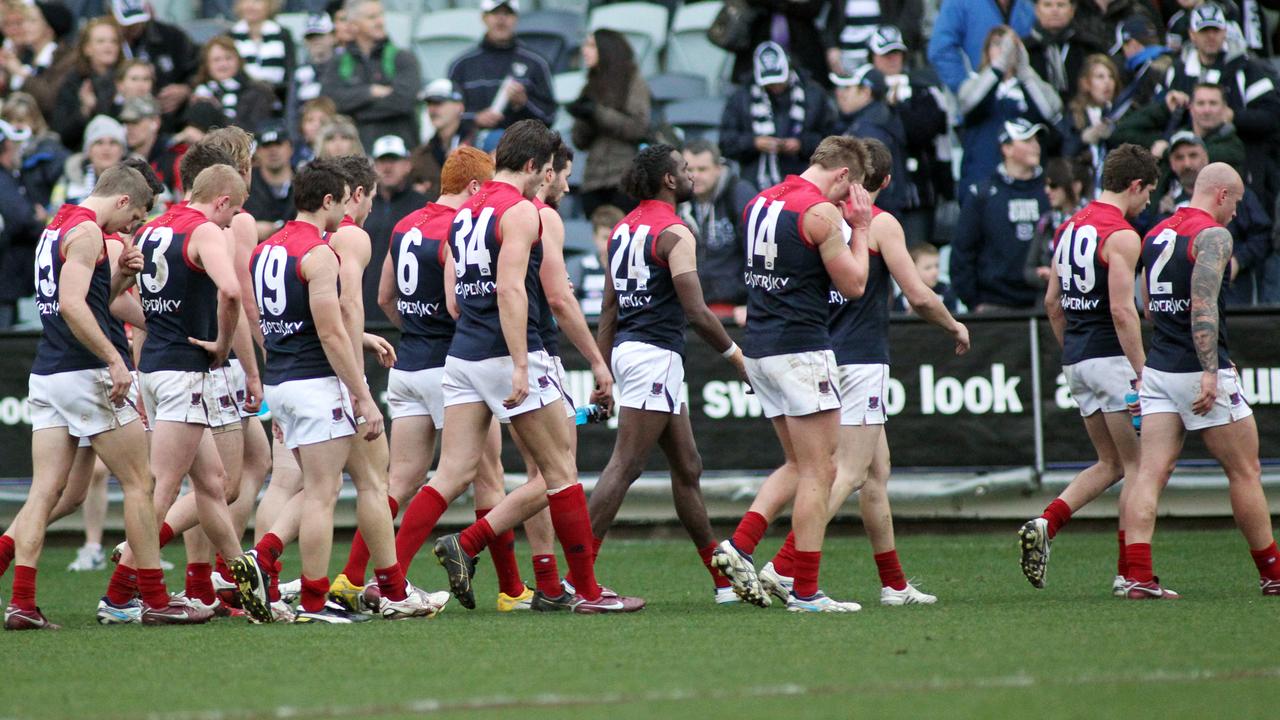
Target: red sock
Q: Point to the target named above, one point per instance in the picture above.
(1058, 513)
(890, 570)
(223, 571)
(166, 534)
(314, 593)
(273, 585)
(24, 588)
(6, 553)
(358, 558)
(1122, 566)
(391, 582)
(573, 530)
(547, 575)
(806, 565)
(123, 585)
(477, 537)
(749, 532)
(1268, 561)
(1138, 558)
(503, 552)
(420, 519)
(270, 547)
(716, 577)
(151, 586)
(784, 561)
(199, 582)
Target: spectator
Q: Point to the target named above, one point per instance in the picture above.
(104, 146)
(88, 89)
(851, 24)
(395, 199)
(1208, 113)
(920, 104)
(592, 274)
(997, 221)
(372, 80)
(928, 265)
(864, 113)
(43, 155)
(1064, 184)
(1178, 27)
(1057, 50)
(1090, 117)
(222, 80)
(501, 80)
(36, 56)
(165, 46)
(315, 115)
(339, 137)
(134, 78)
(319, 38)
(792, 24)
(962, 30)
(266, 48)
(1146, 62)
(141, 119)
(1098, 19)
(1005, 88)
(198, 119)
(450, 131)
(271, 190)
(610, 118)
(20, 224)
(715, 214)
(772, 126)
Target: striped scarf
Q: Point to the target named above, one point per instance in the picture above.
(265, 59)
(226, 92)
(762, 125)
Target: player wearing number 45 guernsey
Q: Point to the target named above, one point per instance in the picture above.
(1189, 382)
(796, 252)
(1090, 305)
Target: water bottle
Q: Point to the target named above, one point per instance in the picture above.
(1135, 410)
(590, 414)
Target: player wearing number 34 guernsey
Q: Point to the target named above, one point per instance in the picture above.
(1090, 305)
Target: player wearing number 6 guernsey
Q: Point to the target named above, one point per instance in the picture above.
(653, 296)
(497, 366)
(1090, 305)
(796, 252)
(1189, 382)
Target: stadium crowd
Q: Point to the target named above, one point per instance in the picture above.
(998, 113)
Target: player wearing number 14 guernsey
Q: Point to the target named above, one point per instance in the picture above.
(1091, 309)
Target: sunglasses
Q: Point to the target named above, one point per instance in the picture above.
(1052, 185)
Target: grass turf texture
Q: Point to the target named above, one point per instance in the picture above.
(992, 647)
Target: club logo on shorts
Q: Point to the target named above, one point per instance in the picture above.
(337, 414)
(873, 403)
(824, 387)
(544, 382)
(1235, 398)
(225, 401)
(656, 389)
(195, 398)
(239, 396)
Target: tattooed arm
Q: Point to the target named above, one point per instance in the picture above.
(1213, 252)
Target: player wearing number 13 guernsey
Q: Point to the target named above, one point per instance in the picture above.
(1090, 305)
(796, 252)
(1189, 382)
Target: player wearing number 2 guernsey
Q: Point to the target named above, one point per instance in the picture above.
(1190, 384)
(1090, 305)
(796, 252)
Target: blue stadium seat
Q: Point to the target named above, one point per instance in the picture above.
(689, 50)
(556, 35)
(567, 86)
(697, 117)
(442, 36)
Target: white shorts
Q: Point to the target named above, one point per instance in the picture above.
(239, 389)
(199, 398)
(489, 382)
(415, 393)
(570, 407)
(78, 400)
(1164, 392)
(795, 384)
(648, 377)
(311, 411)
(862, 392)
(1100, 384)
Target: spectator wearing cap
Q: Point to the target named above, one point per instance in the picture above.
(104, 146)
(772, 125)
(1098, 19)
(395, 199)
(715, 214)
(1178, 26)
(222, 80)
(319, 39)
(1056, 48)
(1209, 119)
(141, 119)
(1146, 62)
(610, 118)
(43, 154)
(860, 98)
(1006, 87)
(373, 81)
(997, 222)
(266, 48)
(165, 46)
(501, 80)
(88, 88)
(36, 59)
(959, 42)
(451, 131)
(270, 199)
(21, 221)
(793, 26)
(852, 23)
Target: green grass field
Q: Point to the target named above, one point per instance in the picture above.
(993, 647)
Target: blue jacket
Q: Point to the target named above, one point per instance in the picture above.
(962, 25)
(987, 101)
(997, 222)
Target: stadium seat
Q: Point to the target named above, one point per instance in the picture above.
(296, 24)
(689, 50)
(442, 36)
(202, 31)
(177, 12)
(579, 168)
(567, 86)
(582, 7)
(400, 29)
(577, 236)
(644, 24)
(556, 35)
(669, 87)
(697, 117)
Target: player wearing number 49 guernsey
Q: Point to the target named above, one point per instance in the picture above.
(1189, 382)
(1090, 305)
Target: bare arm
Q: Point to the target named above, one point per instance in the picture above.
(1213, 252)
(208, 249)
(126, 262)
(387, 293)
(846, 264)
(450, 285)
(560, 297)
(519, 231)
(607, 322)
(1122, 251)
(125, 307)
(892, 245)
(243, 237)
(1053, 305)
(82, 247)
(353, 248)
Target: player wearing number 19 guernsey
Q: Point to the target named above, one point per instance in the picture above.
(1090, 305)
(1190, 383)
(795, 252)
